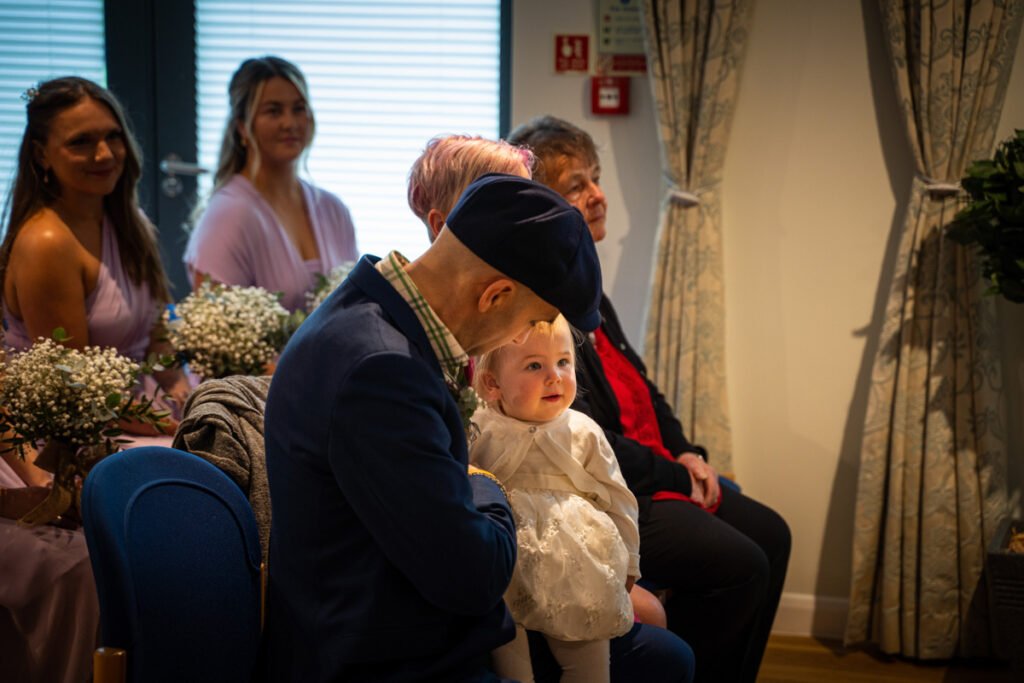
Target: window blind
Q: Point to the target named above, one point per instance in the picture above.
(43, 39)
(384, 77)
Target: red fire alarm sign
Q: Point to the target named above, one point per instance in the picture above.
(609, 94)
(572, 54)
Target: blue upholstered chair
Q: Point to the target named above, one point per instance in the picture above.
(725, 481)
(176, 558)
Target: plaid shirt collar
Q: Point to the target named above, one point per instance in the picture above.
(450, 354)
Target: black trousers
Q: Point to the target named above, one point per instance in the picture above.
(726, 573)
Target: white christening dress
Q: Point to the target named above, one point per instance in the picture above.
(576, 523)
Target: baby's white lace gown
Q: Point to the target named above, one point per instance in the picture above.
(571, 508)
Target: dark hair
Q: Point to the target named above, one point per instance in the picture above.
(549, 137)
(30, 193)
(243, 93)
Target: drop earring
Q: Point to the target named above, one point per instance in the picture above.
(46, 176)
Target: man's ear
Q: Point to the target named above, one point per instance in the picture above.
(435, 221)
(498, 294)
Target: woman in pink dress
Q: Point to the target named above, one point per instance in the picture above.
(263, 225)
(77, 254)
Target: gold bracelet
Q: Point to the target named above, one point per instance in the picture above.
(476, 471)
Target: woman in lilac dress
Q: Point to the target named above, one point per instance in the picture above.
(77, 254)
(263, 225)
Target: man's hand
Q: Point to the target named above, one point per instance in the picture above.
(704, 479)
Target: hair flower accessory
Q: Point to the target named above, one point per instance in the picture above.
(30, 94)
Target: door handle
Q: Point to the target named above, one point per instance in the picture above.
(173, 166)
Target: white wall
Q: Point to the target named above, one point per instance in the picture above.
(815, 184)
(628, 145)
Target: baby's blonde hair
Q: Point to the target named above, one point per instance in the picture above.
(487, 363)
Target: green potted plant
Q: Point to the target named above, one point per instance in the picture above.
(993, 219)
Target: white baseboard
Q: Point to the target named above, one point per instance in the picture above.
(801, 614)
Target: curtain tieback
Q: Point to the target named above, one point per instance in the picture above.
(939, 188)
(684, 197)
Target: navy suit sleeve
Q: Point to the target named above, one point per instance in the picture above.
(393, 454)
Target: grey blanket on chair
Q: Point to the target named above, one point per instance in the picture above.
(223, 424)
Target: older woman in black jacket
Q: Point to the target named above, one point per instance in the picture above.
(723, 555)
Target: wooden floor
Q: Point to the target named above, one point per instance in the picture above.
(793, 659)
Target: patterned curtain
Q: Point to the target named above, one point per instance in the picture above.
(695, 49)
(933, 465)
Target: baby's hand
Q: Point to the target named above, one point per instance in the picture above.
(630, 580)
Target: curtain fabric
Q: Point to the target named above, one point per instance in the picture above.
(695, 50)
(932, 476)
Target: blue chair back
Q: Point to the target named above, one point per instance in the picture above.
(176, 557)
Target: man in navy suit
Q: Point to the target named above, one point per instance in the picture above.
(387, 562)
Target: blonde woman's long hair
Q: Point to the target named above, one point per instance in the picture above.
(244, 92)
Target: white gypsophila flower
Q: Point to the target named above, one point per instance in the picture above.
(228, 330)
(54, 392)
(326, 284)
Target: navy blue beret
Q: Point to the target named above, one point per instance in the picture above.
(531, 234)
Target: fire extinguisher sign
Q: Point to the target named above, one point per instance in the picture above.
(572, 54)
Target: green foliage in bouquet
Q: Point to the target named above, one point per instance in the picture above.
(322, 288)
(72, 400)
(223, 330)
(994, 217)
(325, 284)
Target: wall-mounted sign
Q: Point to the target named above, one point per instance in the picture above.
(621, 24)
(620, 42)
(572, 54)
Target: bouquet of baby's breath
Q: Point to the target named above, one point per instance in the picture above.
(223, 330)
(325, 284)
(322, 288)
(72, 400)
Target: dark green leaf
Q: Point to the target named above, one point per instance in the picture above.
(993, 219)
